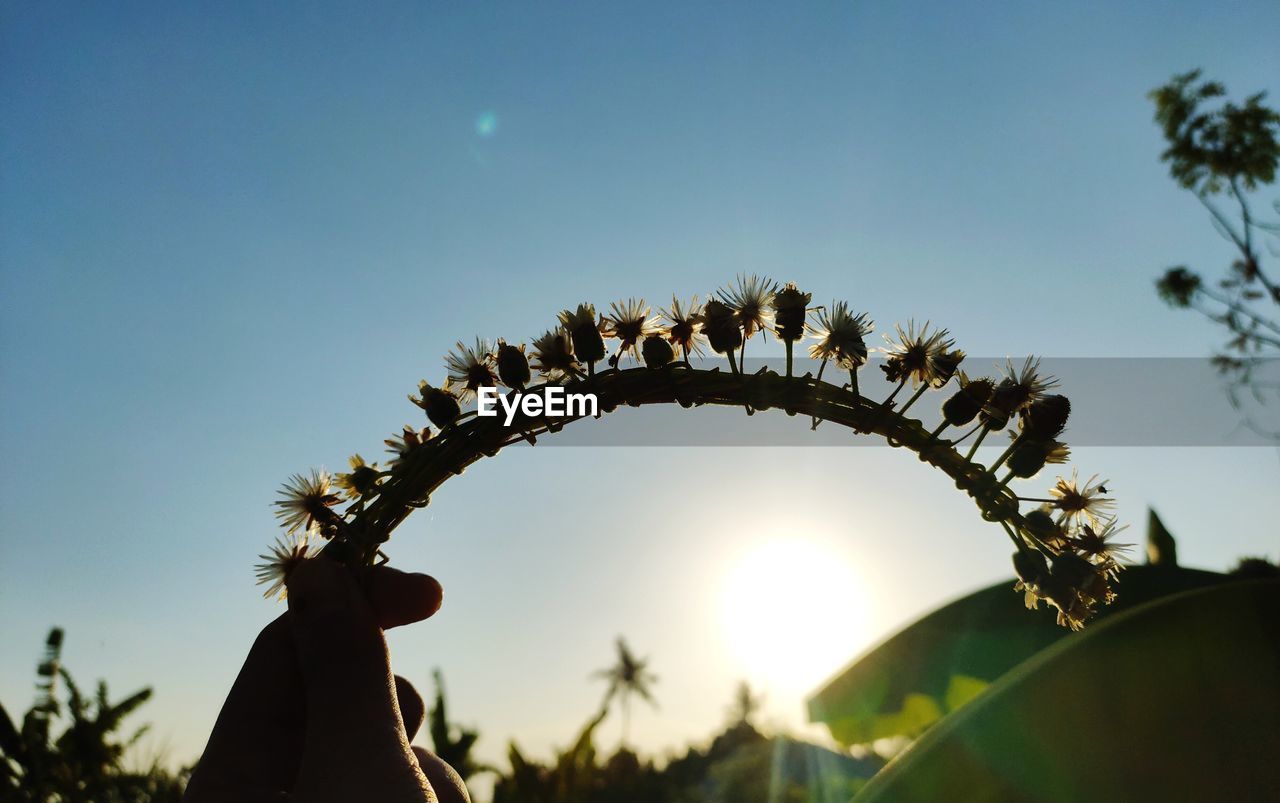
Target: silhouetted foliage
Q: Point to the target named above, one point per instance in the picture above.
(1256, 569)
(571, 779)
(740, 765)
(85, 762)
(1230, 150)
(1162, 549)
(452, 743)
(745, 704)
(629, 676)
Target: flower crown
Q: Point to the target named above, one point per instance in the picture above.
(1065, 552)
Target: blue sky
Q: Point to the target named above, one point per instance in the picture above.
(234, 237)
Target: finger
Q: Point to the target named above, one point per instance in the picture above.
(354, 730)
(447, 783)
(399, 598)
(256, 743)
(412, 709)
(257, 740)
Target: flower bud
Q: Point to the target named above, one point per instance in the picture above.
(1030, 566)
(1046, 417)
(584, 330)
(513, 365)
(1029, 456)
(967, 402)
(789, 306)
(721, 327)
(1041, 524)
(1072, 569)
(439, 403)
(656, 351)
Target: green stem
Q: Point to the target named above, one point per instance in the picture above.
(992, 468)
(923, 387)
(976, 444)
(933, 436)
(814, 423)
(1018, 542)
(966, 436)
(885, 404)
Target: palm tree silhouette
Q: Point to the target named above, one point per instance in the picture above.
(630, 675)
(746, 704)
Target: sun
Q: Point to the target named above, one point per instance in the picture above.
(793, 613)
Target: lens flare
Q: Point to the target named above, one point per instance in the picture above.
(487, 125)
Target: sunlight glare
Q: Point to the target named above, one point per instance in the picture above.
(793, 614)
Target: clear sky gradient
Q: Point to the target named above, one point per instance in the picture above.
(233, 237)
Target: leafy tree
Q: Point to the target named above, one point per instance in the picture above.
(740, 765)
(85, 762)
(452, 743)
(629, 676)
(745, 704)
(1221, 150)
(571, 779)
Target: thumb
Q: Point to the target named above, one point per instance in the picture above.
(355, 738)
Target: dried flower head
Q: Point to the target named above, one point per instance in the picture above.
(306, 500)
(945, 365)
(553, 356)
(751, 299)
(440, 404)
(841, 336)
(1076, 501)
(1098, 546)
(630, 323)
(1075, 587)
(403, 444)
(513, 365)
(684, 329)
(471, 367)
(924, 357)
(362, 480)
(1021, 386)
(789, 306)
(278, 563)
(584, 331)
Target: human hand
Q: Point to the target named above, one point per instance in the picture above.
(316, 715)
